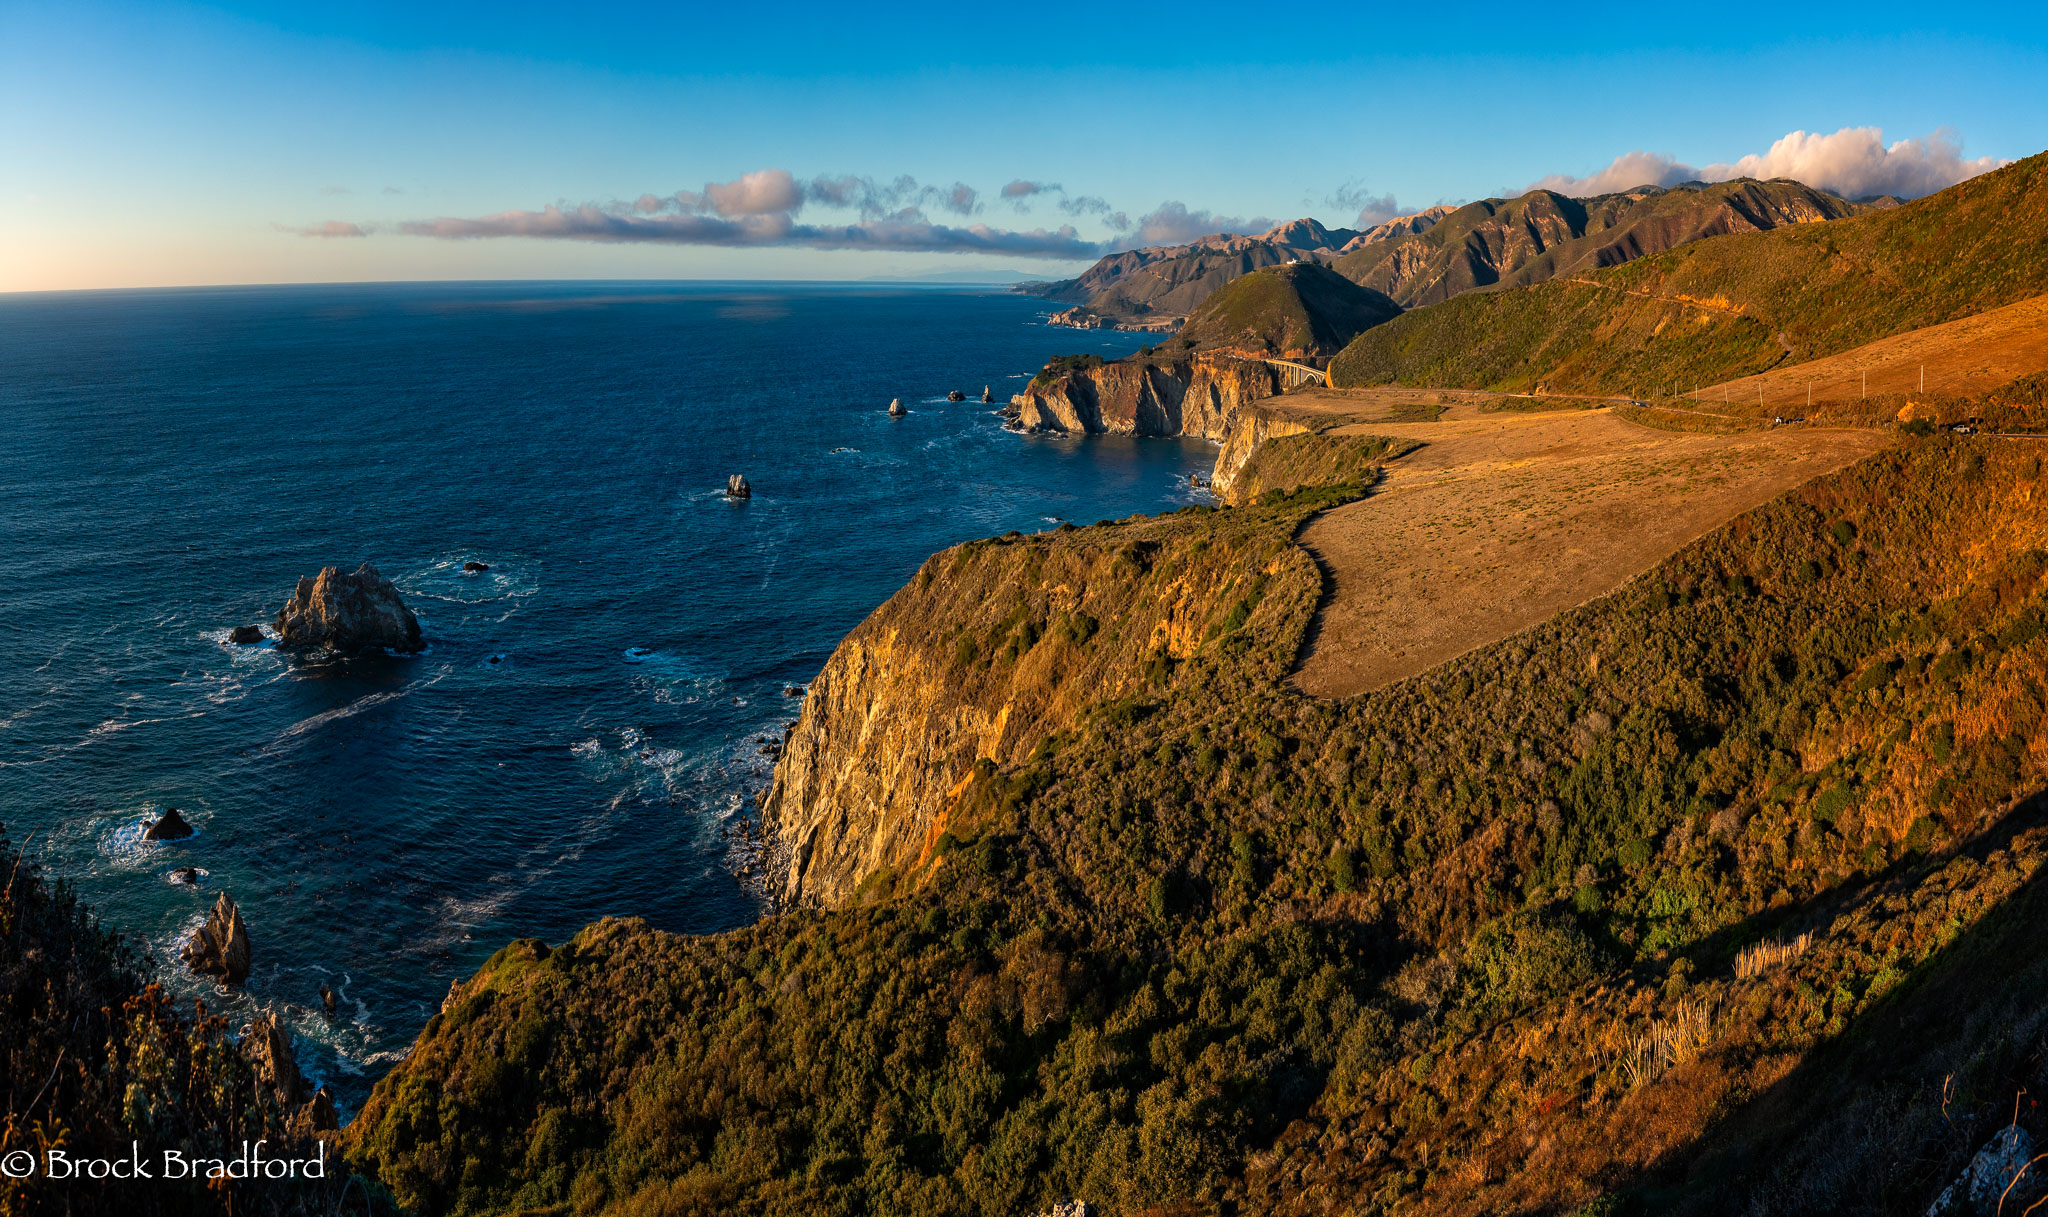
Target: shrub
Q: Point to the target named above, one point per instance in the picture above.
(1528, 956)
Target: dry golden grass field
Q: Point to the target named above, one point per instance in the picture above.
(1508, 516)
(1963, 358)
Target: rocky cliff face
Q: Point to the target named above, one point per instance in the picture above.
(991, 648)
(1198, 395)
(1544, 235)
(1254, 427)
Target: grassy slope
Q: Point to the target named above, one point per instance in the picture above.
(1826, 288)
(1304, 309)
(1287, 463)
(1222, 944)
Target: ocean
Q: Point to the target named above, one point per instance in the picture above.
(586, 727)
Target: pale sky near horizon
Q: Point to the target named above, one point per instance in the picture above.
(170, 144)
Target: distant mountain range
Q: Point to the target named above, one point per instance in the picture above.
(958, 276)
(1780, 292)
(1440, 252)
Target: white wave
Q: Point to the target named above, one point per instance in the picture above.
(335, 715)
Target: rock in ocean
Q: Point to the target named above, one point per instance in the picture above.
(896, 409)
(245, 635)
(736, 487)
(986, 395)
(348, 613)
(220, 948)
(268, 1047)
(170, 826)
(475, 568)
(956, 395)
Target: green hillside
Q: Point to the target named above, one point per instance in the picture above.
(1733, 305)
(1303, 310)
(1223, 948)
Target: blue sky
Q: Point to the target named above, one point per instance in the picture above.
(172, 144)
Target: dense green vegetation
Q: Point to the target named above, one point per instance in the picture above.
(1303, 311)
(1714, 309)
(93, 1058)
(1061, 365)
(1219, 947)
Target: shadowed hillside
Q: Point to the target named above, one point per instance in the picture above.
(1298, 311)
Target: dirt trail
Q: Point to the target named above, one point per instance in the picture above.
(1503, 520)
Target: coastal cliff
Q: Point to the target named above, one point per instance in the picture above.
(1197, 395)
(1255, 425)
(1493, 883)
(991, 649)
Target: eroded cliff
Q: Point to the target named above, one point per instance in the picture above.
(1197, 395)
(994, 646)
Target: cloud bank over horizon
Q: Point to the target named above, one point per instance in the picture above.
(772, 207)
(1854, 162)
(761, 208)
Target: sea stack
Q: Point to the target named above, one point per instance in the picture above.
(736, 487)
(955, 395)
(896, 409)
(347, 613)
(220, 948)
(170, 826)
(986, 395)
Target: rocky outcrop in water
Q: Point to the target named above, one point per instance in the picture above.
(896, 409)
(346, 613)
(245, 635)
(736, 487)
(220, 948)
(268, 1047)
(475, 568)
(170, 826)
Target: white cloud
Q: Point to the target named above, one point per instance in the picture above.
(1171, 223)
(627, 225)
(758, 193)
(1854, 162)
(332, 228)
(1372, 209)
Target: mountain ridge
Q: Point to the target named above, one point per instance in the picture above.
(1438, 252)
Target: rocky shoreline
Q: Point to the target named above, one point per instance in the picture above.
(1080, 318)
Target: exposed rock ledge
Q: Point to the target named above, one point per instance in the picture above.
(1079, 318)
(1208, 396)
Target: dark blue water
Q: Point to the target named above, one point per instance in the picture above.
(584, 732)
